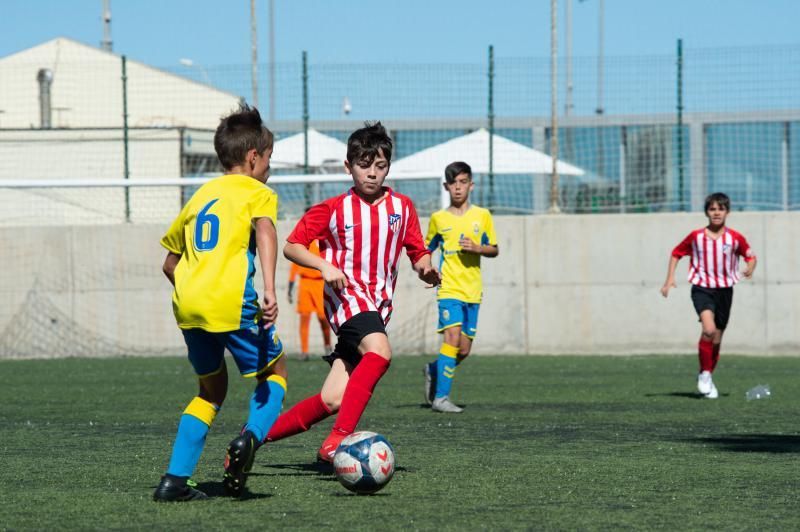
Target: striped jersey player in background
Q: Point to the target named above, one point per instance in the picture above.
(464, 233)
(211, 262)
(361, 234)
(714, 253)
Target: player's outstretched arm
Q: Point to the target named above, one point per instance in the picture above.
(427, 272)
(670, 282)
(170, 263)
(300, 255)
(267, 246)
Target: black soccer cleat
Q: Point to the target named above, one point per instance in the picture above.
(171, 489)
(238, 462)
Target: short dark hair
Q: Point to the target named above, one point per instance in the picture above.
(455, 169)
(239, 132)
(720, 199)
(365, 143)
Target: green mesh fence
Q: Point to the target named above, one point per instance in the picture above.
(740, 108)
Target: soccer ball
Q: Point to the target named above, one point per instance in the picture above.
(364, 462)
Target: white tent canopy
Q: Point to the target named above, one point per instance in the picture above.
(322, 151)
(509, 157)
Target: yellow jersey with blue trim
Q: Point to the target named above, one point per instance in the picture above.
(461, 272)
(215, 237)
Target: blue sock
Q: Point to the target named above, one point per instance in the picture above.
(191, 437)
(445, 369)
(265, 405)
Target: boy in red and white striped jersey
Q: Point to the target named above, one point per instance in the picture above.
(361, 235)
(713, 270)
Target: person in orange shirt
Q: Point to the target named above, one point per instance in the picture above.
(309, 299)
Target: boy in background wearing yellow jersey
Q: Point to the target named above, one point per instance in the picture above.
(463, 233)
(212, 247)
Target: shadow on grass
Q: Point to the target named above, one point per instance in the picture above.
(351, 494)
(421, 406)
(322, 469)
(215, 489)
(754, 443)
(686, 395)
(301, 469)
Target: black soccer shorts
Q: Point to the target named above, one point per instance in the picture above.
(717, 300)
(352, 332)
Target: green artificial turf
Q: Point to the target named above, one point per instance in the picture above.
(544, 443)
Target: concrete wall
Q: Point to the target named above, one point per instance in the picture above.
(592, 285)
(562, 284)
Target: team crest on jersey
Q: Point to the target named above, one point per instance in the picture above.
(476, 228)
(394, 221)
(726, 247)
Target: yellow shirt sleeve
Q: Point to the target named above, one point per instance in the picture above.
(174, 240)
(490, 234)
(264, 204)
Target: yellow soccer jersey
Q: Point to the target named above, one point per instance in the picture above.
(215, 237)
(461, 272)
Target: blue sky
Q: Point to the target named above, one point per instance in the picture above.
(215, 32)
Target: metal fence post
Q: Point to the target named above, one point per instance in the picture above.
(125, 135)
(681, 205)
(491, 127)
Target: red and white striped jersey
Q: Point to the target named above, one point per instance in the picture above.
(364, 241)
(714, 263)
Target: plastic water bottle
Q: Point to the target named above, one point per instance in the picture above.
(761, 391)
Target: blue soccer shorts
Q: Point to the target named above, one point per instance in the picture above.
(254, 349)
(453, 312)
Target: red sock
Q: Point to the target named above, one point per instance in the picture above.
(714, 356)
(299, 418)
(704, 352)
(359, 391)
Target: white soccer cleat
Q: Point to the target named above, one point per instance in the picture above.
(704, 383)
(443, 404)
(713, 394)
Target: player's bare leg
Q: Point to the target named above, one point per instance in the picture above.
(464, 348)
(335, 384)
(376, 355)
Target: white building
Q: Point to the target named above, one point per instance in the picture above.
(61, 117)
(86, 91)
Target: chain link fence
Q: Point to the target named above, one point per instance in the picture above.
(660, 133)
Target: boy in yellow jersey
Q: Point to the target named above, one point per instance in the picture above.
(212, 247)
(463, 233)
